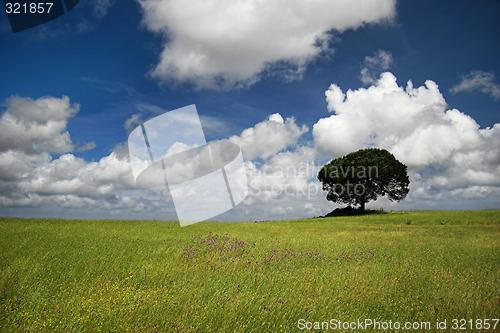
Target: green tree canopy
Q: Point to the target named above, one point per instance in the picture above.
(362, 176)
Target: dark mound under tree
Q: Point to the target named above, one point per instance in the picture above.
(362, 176)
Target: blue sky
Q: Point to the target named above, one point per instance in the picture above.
(126, 60)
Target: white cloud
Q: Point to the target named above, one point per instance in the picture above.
(284, 186)
(227, 44)
(71, 175)
(374, 65)
(30, 130)
(37, 125)
(70, 183)
(88, 146)
(282, 175)
(268, 137)
(445, 150)
(32, 180)
(16, 165)
(478, 80)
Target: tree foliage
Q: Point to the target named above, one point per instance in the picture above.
(362, 176)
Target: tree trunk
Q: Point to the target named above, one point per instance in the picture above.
(362, 207)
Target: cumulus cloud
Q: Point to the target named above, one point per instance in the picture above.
(284, 186)
(30, 131)
(268, 137)
(69, 175)
(445, 149)
(374, 65)
(478, 80)
(280, 180)
(37, 125)
(228, 44)
(281, 173)
(286, 173)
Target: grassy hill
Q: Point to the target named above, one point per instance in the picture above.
(151, 276)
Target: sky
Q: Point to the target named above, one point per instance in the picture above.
(294, 83)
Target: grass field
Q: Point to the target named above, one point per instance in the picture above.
(149, 276)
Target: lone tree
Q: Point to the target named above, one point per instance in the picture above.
(364, 175)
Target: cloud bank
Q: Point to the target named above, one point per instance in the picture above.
(33, 126)
(227, 44)
(453, 163)
(30, 132)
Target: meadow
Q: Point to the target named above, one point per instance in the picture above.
(153, 276)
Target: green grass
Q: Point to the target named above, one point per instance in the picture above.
(147, 276)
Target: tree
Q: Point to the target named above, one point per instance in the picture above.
(359, 177)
